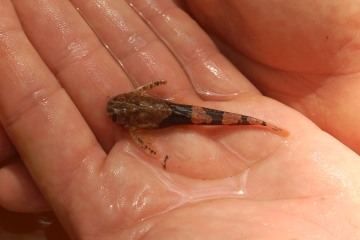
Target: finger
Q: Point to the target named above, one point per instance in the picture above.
(44, 125)
(141, 53)
(18, 191)
(73, 52)
(210, 73)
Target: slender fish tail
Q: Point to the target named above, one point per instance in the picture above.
(193, 115)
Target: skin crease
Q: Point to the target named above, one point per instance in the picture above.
(56, 78)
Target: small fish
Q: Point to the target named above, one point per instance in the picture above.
(137, 110)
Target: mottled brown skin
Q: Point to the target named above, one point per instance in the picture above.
(139, 110)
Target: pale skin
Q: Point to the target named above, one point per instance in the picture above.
(220, 183)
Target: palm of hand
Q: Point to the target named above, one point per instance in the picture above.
(217, 182)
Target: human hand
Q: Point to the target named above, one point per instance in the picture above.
(303, 54)
(103, 186)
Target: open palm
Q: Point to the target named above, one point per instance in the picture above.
(221, 182)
